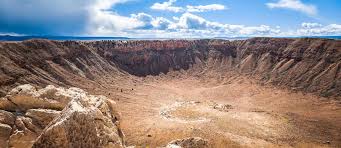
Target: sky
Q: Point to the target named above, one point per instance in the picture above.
(171, 18)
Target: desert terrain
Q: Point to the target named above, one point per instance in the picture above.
(260, 92)
(230, 111)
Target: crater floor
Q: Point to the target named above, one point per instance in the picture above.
(259, 92)
(225, 109)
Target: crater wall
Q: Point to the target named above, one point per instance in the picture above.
(305, 64)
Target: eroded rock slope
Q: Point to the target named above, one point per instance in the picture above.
(310, 65)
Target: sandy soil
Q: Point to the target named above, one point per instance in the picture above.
(158, 109)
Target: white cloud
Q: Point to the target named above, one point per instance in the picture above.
(204, 8)
(145, 20)
(148, 22)
(96, 18)
(316, 29)
(167, 6)
(262, 30)
(161, 23)
(187, 25)
(190, 21)
(296, 5)
(11, 34)
(102, 21)
(310, 25)
(199, 27)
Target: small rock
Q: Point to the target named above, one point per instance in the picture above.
(222, 107)
(326, 142)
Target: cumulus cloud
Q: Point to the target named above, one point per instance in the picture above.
(148, 22)
(199, 27)
(168, 6)
(296, 5)
(161, 23)
(190, 21)
(187, 25)
(204, 8)
(145, 20)
(103, 21)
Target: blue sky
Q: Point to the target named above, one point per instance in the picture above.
(171, 18)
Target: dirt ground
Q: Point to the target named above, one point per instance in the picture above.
(227, 110)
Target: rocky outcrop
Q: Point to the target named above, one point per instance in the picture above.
(57, 117)
(85, 122)
(306, 64)
(193, 142)
(25, 97)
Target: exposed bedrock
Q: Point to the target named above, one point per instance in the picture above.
(310, 65)
(58, 117)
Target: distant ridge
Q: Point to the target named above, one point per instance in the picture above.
(324, 37)
(22, 38)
